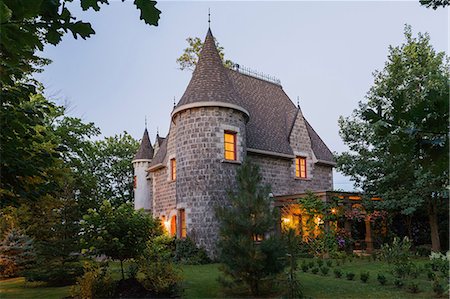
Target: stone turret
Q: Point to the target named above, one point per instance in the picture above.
(142, 180)
(209, 108)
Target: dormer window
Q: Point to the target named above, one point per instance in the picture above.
(230, 145)
(173, 169)
(300, 167)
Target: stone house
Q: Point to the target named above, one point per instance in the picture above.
(225, 116)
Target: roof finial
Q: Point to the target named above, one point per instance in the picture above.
(298, 102)
(157, 130)
(209, 18)
(146, 122)
(174, 102)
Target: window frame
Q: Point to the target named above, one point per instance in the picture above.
(182, 225)
(298, 167)
(225, 151)
(173, 169)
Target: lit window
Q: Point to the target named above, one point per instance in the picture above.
(300, 167)
(173, 226)
(230, 145)
(182, 223)
(173, 169)
(135, 182)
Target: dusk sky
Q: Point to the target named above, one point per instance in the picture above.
(323, 52)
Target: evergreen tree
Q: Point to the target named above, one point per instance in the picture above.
(16, 253)
(249, 252)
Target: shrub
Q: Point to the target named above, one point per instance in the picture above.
(324, 270)
(305, 267)
(364, 276)
(414, 287)
(329, 263)
(319, 262)
(160, 275)
(350, 275)
(55, 272)
(338, 263)
(337, 273)
(186, 252)
(311, 264)
(398, 253)
(133, 270)
(315, 270)
(423, 250)
(438, 288)
(96, 282)
(381, 279)
(431, 275)
(439, 261)
(398, 282)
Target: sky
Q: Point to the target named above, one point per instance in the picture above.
(323, 52)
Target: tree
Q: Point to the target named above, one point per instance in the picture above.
(398, 136)
(28, 25)
(248, 251)
(112, 168)
(434, 3)
(120, 233)
(16, 253)
(188, 60)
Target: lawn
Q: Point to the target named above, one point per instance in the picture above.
(201, 282)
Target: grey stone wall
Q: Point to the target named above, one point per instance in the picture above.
(164, 189)
(203, 177)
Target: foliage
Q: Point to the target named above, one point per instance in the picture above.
(132, 270)
(304, 266)
(434, 3)
(293, 286)
(117, 232)
(248, 251)
(398, 136)
(186, 252)
(110, 164)
(398, 282)
(188, 60)
(324, 270)
(381, 278)
(438, 288)
(337, 273)
(413, 287)
(28, 25)
(96, 282)
(16, 253)
(350, 275)
(160, 275)
(315, 270)
(364, 276)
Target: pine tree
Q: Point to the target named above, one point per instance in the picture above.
(16, 253)
(248, 250)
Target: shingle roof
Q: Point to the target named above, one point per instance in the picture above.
(145, 150)
(161, 153)
(319, 147)
(159, 139)
(209, 82)
(271, 113)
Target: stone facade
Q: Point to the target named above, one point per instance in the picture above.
(270, 131)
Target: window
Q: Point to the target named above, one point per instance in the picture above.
(135, 182)
(173, 169)
(300, 167)
(173, 226)
(230, 145)
(182, 223)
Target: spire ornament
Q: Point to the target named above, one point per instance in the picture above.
(209, 18)
(298, 102)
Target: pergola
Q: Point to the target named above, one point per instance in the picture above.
(349, 200)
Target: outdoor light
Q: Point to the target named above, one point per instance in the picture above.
(286, 220)
(333, 211)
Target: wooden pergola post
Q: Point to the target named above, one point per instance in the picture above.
(368, 239)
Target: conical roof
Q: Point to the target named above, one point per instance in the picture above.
(210, 81)
(145, 150)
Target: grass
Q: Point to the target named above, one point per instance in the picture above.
(201, 282)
